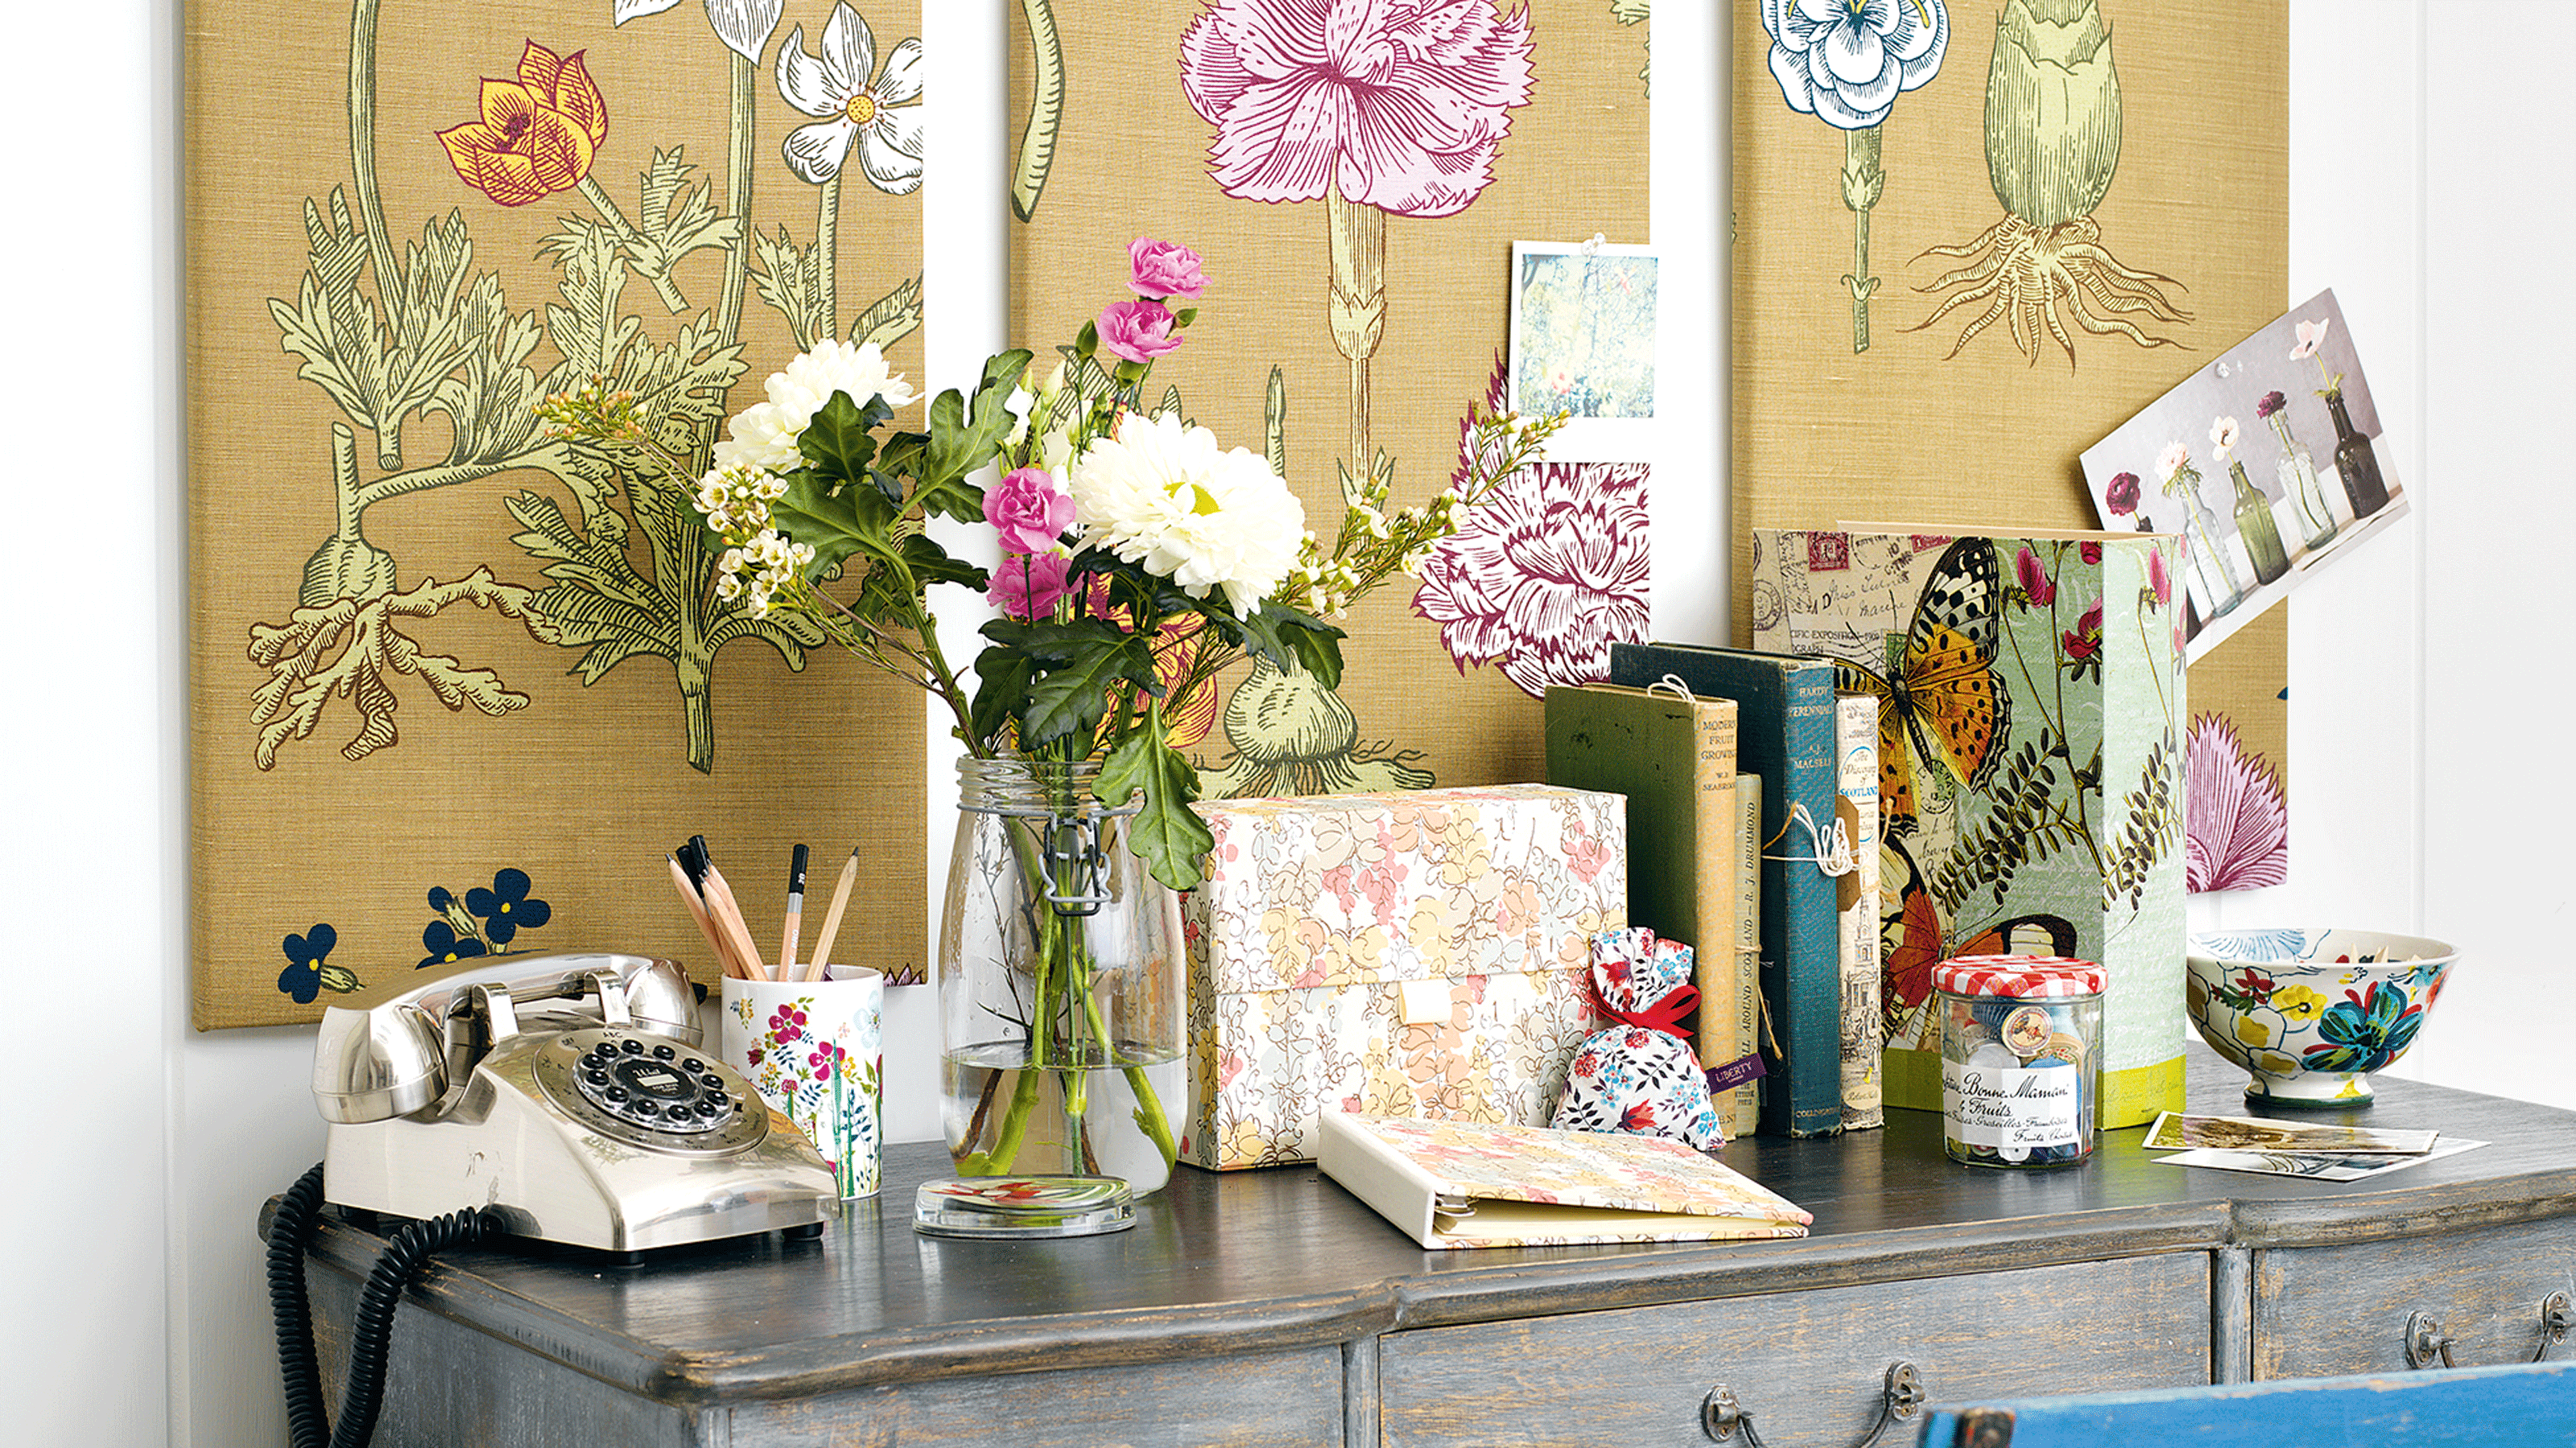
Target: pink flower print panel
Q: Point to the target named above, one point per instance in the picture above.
(1402, 104)
(1544, 575)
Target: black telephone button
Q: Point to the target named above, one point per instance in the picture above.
(631, 1046)
(647, 1108)
(615, 1093)
(693, 1065)
(596, 1076)
(712, 1081)
(663, 1053)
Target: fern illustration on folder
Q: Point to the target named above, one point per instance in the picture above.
(1463, 1184)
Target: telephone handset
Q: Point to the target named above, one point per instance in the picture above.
(568, 1093)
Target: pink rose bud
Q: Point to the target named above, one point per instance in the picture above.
(1137, 331)
(1029, 510)
(1027, 585)
(1164, 269)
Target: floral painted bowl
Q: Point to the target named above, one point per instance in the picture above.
(2310, 1013)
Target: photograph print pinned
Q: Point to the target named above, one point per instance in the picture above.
(1583, 343)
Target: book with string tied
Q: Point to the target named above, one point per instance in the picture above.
(1784, 732)
(1467, 1184)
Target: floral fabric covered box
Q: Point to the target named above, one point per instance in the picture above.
(1423, 953)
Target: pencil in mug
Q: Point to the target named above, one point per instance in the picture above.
(795, 914)
(698, 912)
(727, 911)
(832, 919)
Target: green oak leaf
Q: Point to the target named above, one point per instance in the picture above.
(840, 442)
(1165, 833)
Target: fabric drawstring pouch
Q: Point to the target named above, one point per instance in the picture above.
(1639, 1075)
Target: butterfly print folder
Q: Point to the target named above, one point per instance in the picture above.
(1462, 1184)
(2031, 711)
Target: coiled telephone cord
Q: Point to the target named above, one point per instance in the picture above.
(370, 1329)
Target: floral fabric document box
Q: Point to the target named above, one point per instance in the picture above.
(1420, 953)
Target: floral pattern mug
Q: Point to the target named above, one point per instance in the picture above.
(814, 1050)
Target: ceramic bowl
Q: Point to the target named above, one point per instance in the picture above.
(2310, 1013)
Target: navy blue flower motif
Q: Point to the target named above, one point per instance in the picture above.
(446, 947)
(2365, 1032)
(505, 909)
(302, 977)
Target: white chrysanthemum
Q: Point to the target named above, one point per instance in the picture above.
(764, 434)
(1163, 494)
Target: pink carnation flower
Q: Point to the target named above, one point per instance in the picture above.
(1138, 331)
(1544, 574)
(1163, 269)
(1401, 106)
(1029, 509)
(2236, 832)
(1027, 585)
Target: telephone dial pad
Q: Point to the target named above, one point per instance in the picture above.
(650, 1091)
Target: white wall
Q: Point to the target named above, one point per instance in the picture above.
(2427, 188)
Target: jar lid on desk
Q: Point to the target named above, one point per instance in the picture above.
(1023, 1206)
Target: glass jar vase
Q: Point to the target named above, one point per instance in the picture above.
(1060, 983)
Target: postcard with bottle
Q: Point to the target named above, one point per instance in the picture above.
(2268, 461)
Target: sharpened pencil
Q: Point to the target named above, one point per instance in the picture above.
(728, 917)
(698, 912)
(832, 918)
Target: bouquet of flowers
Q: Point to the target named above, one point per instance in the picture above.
(1139, 558)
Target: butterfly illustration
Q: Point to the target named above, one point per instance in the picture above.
(1914, 937)
(1940, 700)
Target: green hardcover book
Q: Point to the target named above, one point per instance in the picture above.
(1785, 733)
(1673, 756)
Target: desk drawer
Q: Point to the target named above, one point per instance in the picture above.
(1290, 1399)
(1809, 1366)
(2320, 1311)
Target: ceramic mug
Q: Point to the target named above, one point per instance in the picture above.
(814, 1050)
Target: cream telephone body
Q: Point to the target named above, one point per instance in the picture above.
(569, 1093)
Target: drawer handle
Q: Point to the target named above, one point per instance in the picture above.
(1721, 1416)
(2427, 1344)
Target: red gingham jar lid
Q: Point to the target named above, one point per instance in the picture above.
(2018, 975)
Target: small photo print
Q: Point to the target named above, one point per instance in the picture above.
(2174, 1131)
(1583, 330)
(2314, 1168)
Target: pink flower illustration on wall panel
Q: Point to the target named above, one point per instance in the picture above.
(2237, 831)
(1401, 103)
(1374, 106)
(1544, 575)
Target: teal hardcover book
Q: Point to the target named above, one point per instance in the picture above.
(1784, 732)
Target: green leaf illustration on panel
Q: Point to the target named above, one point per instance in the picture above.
(2053, 121)
(624, 559)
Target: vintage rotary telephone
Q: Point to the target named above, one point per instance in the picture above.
(565, 1097)
(556, 1097)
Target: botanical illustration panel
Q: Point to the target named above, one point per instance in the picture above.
(1972, 239)
(457, 683)
(1355, 174)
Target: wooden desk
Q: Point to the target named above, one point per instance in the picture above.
(1272, 1307)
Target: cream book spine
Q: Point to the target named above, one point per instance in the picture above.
(1856, 904)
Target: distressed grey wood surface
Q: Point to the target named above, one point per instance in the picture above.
(1273, 1262)
(2343, 1309)
(1811, 1367)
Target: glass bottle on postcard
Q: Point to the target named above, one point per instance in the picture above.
(2209, 562)
(2298, 477)
(2355, 462)
(2255, 525)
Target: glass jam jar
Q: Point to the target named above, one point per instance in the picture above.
(2021, 1059)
